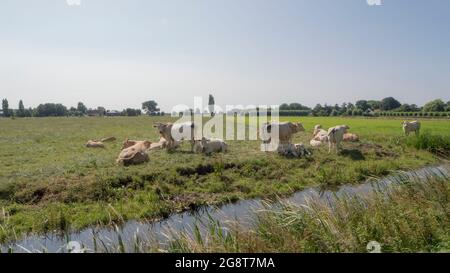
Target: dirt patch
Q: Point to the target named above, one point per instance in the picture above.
(204, 169)
(378, 150)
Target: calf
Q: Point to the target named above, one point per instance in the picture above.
(335, 136)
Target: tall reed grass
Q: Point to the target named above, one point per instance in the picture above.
(412, 215)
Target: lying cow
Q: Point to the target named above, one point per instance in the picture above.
(286, 130)
(107, 139)
(295, 150)
(348, 137)
(134, 154)
(320, 136)
(209, 146)
(128, 143)
(336, 136)
(168, 130)
(95, 144)
(318, 131)
(163, 144)
(413, 126)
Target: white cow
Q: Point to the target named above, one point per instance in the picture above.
(295, 150)
(286, 130)
(320, 136)
(413, 126)
(181, 131)
(209, 146)
(336, 136)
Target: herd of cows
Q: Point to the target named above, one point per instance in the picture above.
(136, 152)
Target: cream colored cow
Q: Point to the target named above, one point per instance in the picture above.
(409, 127)
(134, 154)
(286, 130)
(348, 137)
(336, 136)
(167, 131)
(95, 144)
(209, 146)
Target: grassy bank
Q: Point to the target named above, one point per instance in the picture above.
(50, 181)
(412, 216)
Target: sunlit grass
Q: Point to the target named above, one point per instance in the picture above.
(49, 180)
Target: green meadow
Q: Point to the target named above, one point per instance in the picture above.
(50, 181)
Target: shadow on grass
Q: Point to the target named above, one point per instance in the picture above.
(354, 154)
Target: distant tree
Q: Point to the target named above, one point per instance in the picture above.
(150, 107)
(132, 112)
(343, 108)
(435, 106)
(21, 111)
(82, 108)
(374, 104)
(298, 106)
(389, 103)
(317, 109)
(5, 108)
(211, 104)
(362, 104)
(50, 110)
(285, 107)
(404, 108)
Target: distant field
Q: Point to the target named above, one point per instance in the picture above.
(49, 180)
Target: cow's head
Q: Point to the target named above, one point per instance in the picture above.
(297, 127)
(316, 129)
(198, 145)
(161, 127)
(128, 143)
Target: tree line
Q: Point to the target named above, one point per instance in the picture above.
(59, 110)
(386, 107)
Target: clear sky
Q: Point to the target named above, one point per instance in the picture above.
(119, 53)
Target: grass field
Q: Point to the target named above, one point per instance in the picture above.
(50, 181)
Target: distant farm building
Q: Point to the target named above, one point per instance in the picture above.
(113, 113)
(100, 111)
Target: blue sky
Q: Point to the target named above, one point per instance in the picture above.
(119, 53)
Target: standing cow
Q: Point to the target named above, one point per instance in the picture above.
(286, 130)
(413, 126)
(336, 136)
(174, 133)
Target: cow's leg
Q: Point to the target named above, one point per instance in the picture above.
(192, 145)
(330, 144)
